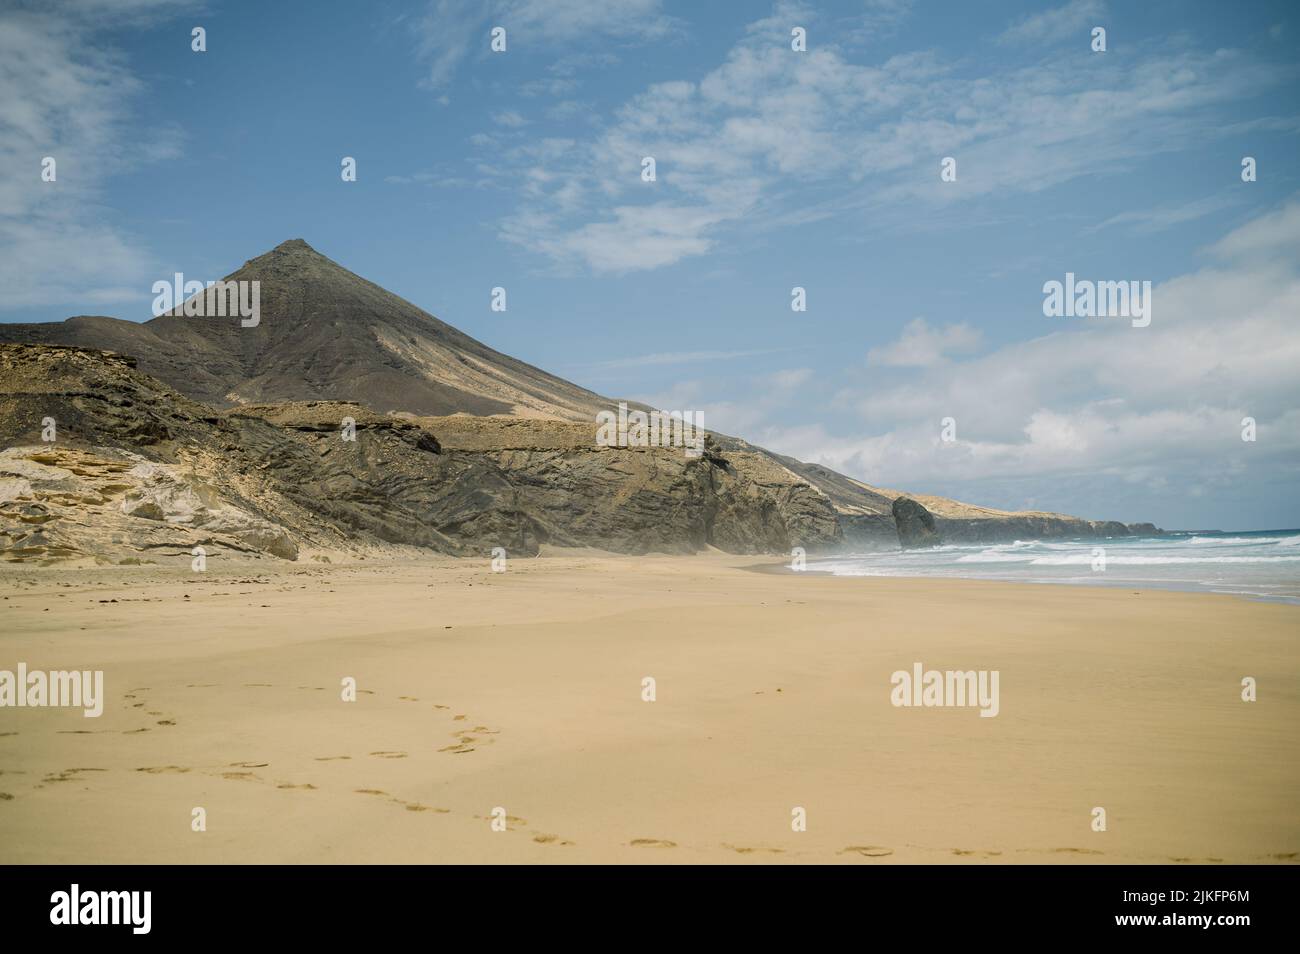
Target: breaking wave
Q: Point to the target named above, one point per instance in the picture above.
(1255, 563)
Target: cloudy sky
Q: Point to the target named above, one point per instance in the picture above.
(774, 169)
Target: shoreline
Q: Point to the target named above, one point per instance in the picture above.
(781, 569)
(784, 569)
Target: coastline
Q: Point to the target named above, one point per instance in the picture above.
(1168, 586)
(523, 690)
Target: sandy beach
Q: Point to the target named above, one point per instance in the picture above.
(523, 690)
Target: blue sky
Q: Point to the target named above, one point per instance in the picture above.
(775, 168)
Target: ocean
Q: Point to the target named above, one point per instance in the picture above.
(1264, 564)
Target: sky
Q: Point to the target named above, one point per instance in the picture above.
(775, 168)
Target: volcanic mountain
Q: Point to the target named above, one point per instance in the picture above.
(459, 447)
(324, 334)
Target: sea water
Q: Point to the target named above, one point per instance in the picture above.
(1256, 563)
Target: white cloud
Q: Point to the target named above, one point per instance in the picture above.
(885, 14)
(1074, 21)
(452, 30)
(638, 237)
(123, 12)
(771, 137)
(790, 378)
(1267, 237)
(1098, 399)
(67, 96)
(1159, 218)
(921, 346)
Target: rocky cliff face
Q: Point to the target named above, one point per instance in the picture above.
(1033, 527)
(138, 472)
(956, 522)
(575, 493)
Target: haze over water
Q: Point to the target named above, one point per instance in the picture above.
(1258, 563)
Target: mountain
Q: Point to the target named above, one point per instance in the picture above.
(459, 447)
(324, 334)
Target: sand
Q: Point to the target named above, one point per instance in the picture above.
(522, 691)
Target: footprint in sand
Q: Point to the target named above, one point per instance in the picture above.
(510, 819)
(867, 851)
(331, 758)
(305, 785)
(652, 843)
(409, 806)
(6, 797)
(241, 776)
(69, 775)
(163, 769)
(1074, 851)
(963, 852)
(389, 755)
(466, 739)
(545, 839)
(749, 851)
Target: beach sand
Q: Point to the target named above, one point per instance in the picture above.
(523, 690)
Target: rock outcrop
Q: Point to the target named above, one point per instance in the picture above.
(137, 472)
(112, 506)
(915, 524)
